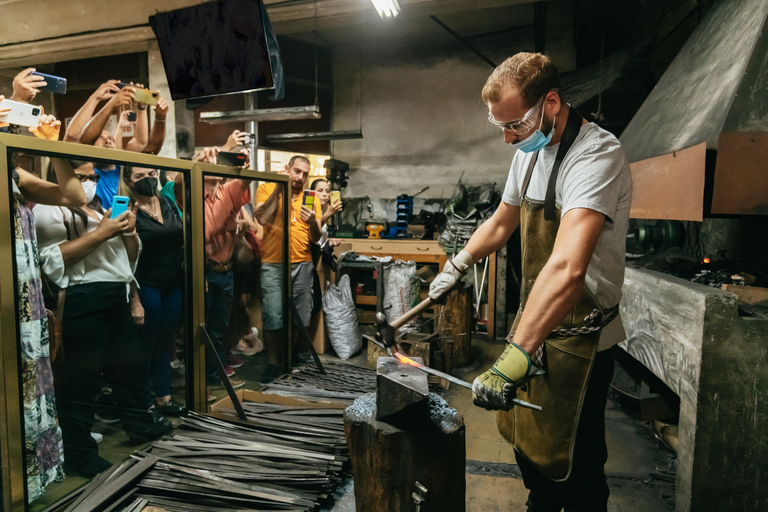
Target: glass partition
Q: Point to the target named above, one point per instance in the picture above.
(247, 312)
(101, 311)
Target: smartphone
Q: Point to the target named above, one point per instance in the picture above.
(335, 196)
(250, 138)
(131, 117)
(55, 84)
(120, 85)
(309, 199)
(230, 158)
(119, 206)
(146, 96)
(21, 114)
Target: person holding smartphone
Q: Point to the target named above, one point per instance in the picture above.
(44, 457)
(93, 256)
(156, 305)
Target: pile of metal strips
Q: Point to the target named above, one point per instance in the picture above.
(343, 383)
(286, 458)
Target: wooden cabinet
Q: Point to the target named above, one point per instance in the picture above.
(420, 251)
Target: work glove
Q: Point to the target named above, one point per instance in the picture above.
(452, 272)
(495, 389)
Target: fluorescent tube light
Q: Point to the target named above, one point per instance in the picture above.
(265, 114)
(297, 137)
(387, 8)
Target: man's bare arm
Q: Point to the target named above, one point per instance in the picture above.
(494, 233)
(561, 281)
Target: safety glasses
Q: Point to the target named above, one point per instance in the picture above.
(523, 125)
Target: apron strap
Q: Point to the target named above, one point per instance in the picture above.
(570, 133)
(528, 174)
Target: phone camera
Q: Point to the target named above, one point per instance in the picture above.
(35, 111)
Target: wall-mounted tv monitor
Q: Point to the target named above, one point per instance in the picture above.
(214, 48)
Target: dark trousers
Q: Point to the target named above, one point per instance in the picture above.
(586, 490)
(100, 339)
(218, 303)
(162, 308)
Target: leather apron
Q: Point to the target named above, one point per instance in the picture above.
(547, 438)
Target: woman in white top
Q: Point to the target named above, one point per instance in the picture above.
(93, 256)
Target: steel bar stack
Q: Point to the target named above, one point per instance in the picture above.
(342, 383)
(285, 458)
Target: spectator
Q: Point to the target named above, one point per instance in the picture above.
(327, 208)
(82, 251)
(305, 229)
(26, 86)
(159, 272)
(222, 204)
(45, 454)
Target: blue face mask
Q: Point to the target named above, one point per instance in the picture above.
(536, 140)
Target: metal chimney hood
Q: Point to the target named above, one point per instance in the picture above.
(714, 95)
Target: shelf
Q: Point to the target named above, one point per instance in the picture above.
(366, 300)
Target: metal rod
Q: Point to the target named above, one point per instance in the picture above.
(219, 364)
(451, 378)
(308, 339)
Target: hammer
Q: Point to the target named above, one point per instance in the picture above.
(385, 338)
(385, 333)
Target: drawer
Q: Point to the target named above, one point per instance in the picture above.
(377, 246)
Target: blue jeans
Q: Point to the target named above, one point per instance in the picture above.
(162, 308)
(218, 303)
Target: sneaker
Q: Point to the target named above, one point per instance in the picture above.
(249, 344)
(97, 437)
(229, 371)
(272, 372)
(234, 362)
(171, 408)
(236, 383)
(146, 427)
(211, 397)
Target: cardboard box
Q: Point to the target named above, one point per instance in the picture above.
(246, 395)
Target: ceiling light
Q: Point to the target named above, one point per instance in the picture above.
(296, 137)
(387, 8)
(264, 114)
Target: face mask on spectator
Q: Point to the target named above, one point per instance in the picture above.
(145, 186)
(90, 190)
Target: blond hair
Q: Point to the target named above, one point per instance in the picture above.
(532, 74)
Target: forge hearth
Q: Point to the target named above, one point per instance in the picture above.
(401, 435)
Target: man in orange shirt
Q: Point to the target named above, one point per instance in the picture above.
(222, 204)
(304, 230)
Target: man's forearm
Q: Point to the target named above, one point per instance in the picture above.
(556, 291)
(491, 236)
(315, 232)
(140, 132)
(80, 119)
(71, 190)
(95, 126)
(156, 137)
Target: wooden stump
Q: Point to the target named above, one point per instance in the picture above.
(388, 460)
(456, 323)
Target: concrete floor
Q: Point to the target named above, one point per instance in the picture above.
(637, 469)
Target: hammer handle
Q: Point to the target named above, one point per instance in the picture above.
(413, 313)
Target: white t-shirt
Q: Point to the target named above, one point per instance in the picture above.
(107, 263)
(594, 174)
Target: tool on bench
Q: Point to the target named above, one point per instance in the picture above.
(385, 338)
